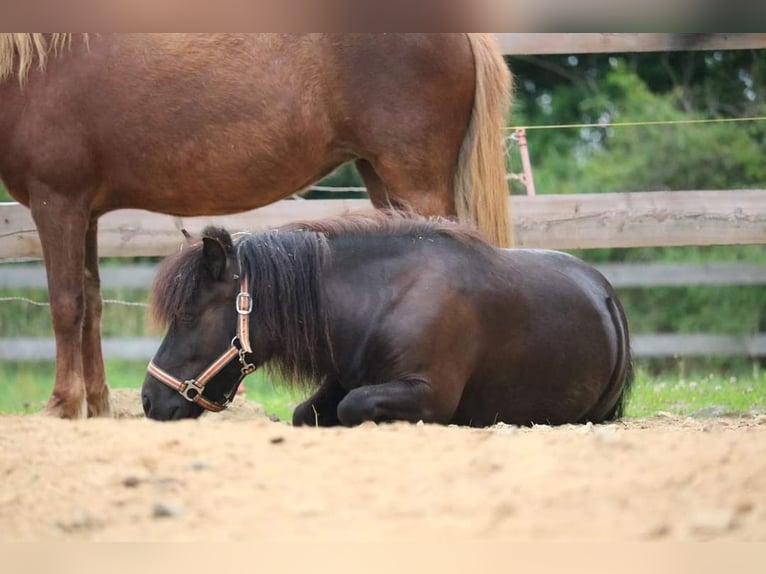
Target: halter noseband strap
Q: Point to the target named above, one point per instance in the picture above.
(192, 389)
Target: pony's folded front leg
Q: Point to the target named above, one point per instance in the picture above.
(409, 400)
(321, 408)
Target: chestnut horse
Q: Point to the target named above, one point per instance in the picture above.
(190, 124)
(389, 317)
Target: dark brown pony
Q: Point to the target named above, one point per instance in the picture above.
(389, 318)
(190, 124)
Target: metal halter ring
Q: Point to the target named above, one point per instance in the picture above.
(190, 390)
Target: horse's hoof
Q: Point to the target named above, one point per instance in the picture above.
(100, 407)
(66, 410)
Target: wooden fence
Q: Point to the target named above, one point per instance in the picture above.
(622, 275)
(570, 43)
(581, 221)
(559, 222)
(35, 349)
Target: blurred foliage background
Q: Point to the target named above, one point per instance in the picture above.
(643, 88)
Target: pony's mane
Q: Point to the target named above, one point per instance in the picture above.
(389, 222)
(19, 51)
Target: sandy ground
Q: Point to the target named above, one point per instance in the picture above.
(239, 476)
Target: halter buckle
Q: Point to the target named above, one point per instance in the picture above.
(190, 390)
(244, 303)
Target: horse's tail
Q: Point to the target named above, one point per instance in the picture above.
(480, 187)
(611, 405)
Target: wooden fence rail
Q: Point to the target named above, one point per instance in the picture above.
(578, 221)
(621, 275)
(571, 43)
(35, 349)
(549, 221)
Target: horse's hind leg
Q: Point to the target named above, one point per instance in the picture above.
(413, 164)
(410, 400)
(320, 409)
(93, 363)
(398, 183)
(61, 225)
(380, 196)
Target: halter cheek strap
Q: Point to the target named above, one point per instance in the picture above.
(192, 389)
(244, 308)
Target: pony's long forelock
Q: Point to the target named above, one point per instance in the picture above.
(176, 283)
(179, 276)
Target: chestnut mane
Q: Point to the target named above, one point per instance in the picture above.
(19, 51)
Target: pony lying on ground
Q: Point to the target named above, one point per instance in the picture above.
(389, 317)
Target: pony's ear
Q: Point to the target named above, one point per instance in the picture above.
(215, 257)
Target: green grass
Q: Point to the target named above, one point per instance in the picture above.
(740, 392)
(25, 387)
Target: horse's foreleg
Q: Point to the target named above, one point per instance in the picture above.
(410, 400)
(93, 363)
(321, 408)
(61, 227)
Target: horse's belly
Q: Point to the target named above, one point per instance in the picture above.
(525, 400)
(541, 374)
(210, 187)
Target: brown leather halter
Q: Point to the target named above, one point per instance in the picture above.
(192, 389)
